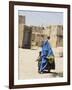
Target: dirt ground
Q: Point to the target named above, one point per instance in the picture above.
(28, 66)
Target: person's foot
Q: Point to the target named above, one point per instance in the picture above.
(48, 71)
(41, 72)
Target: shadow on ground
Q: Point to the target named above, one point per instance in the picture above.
(54, 74)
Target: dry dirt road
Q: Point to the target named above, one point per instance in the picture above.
(28, 66)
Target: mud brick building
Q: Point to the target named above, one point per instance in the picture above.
(32, 36)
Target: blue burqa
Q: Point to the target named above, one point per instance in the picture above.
(46, 52)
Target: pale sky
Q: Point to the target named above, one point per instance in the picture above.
(38, 18)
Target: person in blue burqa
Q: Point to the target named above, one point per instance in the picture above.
(47, 56)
